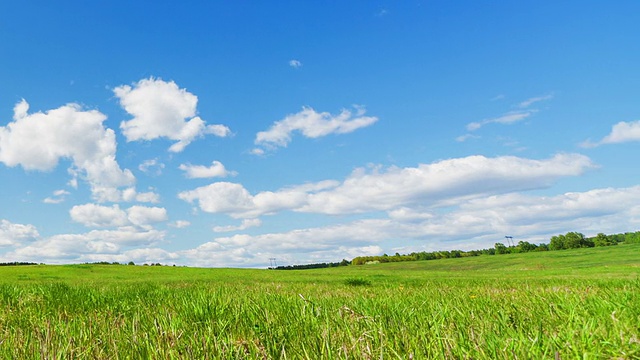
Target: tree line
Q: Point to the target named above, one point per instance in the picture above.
(570, 240)
(344, 262)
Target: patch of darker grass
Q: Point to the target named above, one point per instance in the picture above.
(357, 282)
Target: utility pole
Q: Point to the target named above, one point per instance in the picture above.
(509, 238)
(272, 263)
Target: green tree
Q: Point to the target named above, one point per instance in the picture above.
(557, 242)
(525, 246)
(501, 249)
(632, 237)
(603, 240)
(573, 240)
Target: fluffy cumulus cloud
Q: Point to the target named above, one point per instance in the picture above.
(94, 215)
(96, 245)
(620, 133)
(38, 141)
(235, 200)
(473, 224)
(16, 234)
(442, 183)
(144, 216)
(311, 124)
(526, 217)
(160, 109)
(216, 169)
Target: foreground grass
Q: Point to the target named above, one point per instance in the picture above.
(568, 304)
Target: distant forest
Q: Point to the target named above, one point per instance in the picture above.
(570, 240)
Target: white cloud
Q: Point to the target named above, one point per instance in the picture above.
(620, 133)
(441, 183)
(161, 109)
(128, 194)
(312, 124)
(471, 224)
(144, 216)
(93, 215)
(131, 194)
(179, 224)
(151, 167)
(463, 138)
(58, 197)
(138, 256)
(506, 119)
(296, 64)
(16, 234)
(148, 197)
(216, 169)
(528, 217)
(38, 141)
(475, 224)
(246, 223)
(96, 245)
(234, 199)
(510, 117)
(525, 104)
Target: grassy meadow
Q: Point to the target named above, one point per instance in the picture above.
(582, 303)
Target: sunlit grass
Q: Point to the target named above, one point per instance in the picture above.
(570, 304)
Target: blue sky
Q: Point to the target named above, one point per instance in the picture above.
(227, 133)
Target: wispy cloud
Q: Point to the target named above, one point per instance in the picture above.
(382, 12)
(312, 124)
(506, 119)
(58, 197)
(525, 104)
(465, 137)
(510, 117)
(151, 167)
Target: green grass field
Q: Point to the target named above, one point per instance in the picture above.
(570, 304)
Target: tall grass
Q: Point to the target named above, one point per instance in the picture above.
(343, 313)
